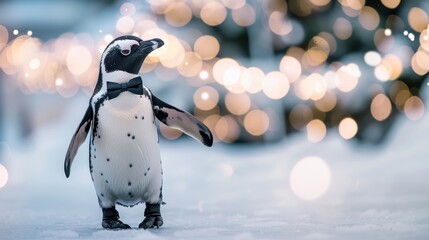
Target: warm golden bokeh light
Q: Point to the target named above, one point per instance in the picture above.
(125, 24)
(347, 77)
(327, 102)
(369, 18)
(221, 67)
(213, 13)
(230, 93)
(372, 58)
(207, 47)
(381, 107)
(424, 40)
(316, 131)
(233, 4)
(169, 133)
(310, 178)
(237, 104)
(343, 28)
(312, 87)
(173, 54)
(256, 122)
(127, 9)
(414, 108)
(4, 37)
(418, 19)
(191, 65)
(79, 59)
(227, 129)
(276, 85)
(232, 79)
(291, 67)
(391, 3)
(178, 14)
(206, 98)
(244, 16)
(252, 79)
(320, 3)
(278, 24)
(348, 128)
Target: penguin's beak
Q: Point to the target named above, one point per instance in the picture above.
(148, 46)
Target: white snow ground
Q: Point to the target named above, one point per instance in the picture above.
(228, 192)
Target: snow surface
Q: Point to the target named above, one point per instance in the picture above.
(227, 191)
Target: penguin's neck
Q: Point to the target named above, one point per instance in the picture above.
(118, 76)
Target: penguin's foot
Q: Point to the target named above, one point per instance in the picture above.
(152, 217)
(111, 220)
(151, 222)
(114, 224)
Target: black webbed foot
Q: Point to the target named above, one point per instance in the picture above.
(114, 224)
(111, 220)
(153, 217)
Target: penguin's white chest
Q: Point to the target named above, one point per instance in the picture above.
(125, 156)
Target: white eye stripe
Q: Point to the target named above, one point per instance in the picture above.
(126, 45)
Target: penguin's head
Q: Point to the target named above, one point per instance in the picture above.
(127, 53)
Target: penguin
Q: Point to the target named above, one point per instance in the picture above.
(124, 155)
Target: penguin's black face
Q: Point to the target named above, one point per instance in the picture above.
(127, 53)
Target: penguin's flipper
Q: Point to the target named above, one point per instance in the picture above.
(182, 120)
(77, 139)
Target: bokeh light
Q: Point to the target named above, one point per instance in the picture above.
(4, 37)
(237, 104)
(327, 102)
(206, 98)
(278, 24)
(348, 128)
(4, 176)
(226, 169)
(178, 14)
(213, 13)
(125, 24)
(392, 4)
(256, 122)
(244, 16)
(310, 178)
(224, 69)
(316, 131)
(207, 47)
(372, 58)
(414, 108)
(381, 107)
(291, 67)
(369, 18)
(79, 59)
(313, 81)
(276, 85)
(168, 132)
(252, 79)
(347, 77)
(343, 28)
(418, 19)
(227, 129)
(191, 65)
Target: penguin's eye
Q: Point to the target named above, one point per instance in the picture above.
(125, 52)
(134, 47)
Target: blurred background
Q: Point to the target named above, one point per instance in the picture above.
(254, 71)
(337, 79)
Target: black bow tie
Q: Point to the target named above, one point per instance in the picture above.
(135, 86)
